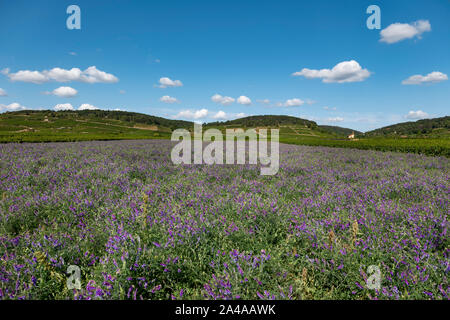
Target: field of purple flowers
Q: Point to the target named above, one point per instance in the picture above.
(140, 227)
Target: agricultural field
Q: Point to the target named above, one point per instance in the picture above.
(140, 227)
(63, 126)
(42, 126)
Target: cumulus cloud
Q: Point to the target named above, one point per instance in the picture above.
(63, 106)
(189, 114)
(168, 99)
(335, 119)
(87, 106)
(346, 71)
(222, 100)
(220, 115)
(165, 82)
(400, 31)
(89, 75)
(92, 75)
(28, 76)
(415, 115)
(295, 102)
(64, 92)
(12, 107)
(68, 106)
(244, 100)
(4, 71)
(432, 77)
(3, 93)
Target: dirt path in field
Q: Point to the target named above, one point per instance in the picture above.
(24, 130)
(302, 134)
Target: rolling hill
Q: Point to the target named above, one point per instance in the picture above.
(424, 136)
(437, 127)
(265, 121)
(46, 125)
(283, 122)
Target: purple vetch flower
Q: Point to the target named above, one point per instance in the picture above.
(156, 288)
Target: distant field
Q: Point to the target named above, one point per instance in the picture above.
(429, 146)
(301, 135)
(71, 126)
(38, 128)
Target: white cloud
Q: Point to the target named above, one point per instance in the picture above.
(60, 75)
(165, 82)
(329, 108)
(309, 101)
(346, 71)
(432, 77)
(244, 100)
(220, 115)
(73, 53)
(63, 106)
(65, 92)
(90, 75)
(295, 102)
(3, 93)
(87, 106)
(400, 31)
(335, 119)
(264, 101)
(189, 114)
(222, 100)
(28, 76)
(84, 106)
(168, 99)
(419, 114)
(12, 107)
(122, 92)
(4, 71)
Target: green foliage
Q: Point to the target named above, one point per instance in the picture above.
(433, 147)
(437, 127)
(263, 121)
(339, 131)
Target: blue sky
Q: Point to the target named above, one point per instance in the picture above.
(246, 49)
